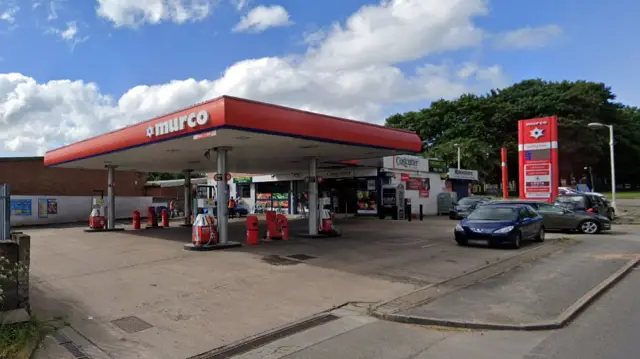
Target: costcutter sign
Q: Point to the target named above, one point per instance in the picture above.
(191, 121)
(538, 158)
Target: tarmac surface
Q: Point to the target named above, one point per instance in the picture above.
(140, 295)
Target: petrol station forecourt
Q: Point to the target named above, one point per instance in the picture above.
(229, 134)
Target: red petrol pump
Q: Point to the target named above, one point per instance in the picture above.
(274, 230)
(252, 230)
(283, 223)
(136, 219)
(204, 231)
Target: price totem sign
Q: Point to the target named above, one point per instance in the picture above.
(538, 158)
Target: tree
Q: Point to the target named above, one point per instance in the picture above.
(483, 124)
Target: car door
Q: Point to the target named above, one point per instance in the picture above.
(527, 222)
(551, 216)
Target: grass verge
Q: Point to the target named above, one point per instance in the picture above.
(18, 340)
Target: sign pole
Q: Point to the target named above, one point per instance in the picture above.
(505, 174)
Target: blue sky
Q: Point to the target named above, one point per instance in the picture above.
(585, 40)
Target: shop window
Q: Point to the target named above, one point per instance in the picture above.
(244, 190)
(367, 196)
(272, 196)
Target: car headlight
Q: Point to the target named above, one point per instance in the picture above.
(459, 228)
(506, 229)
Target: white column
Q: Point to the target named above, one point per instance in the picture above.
(223, 196)
(188, 201)
(313, 197)
(111, 196)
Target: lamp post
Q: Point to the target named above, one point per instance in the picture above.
(458, 148)
(597, 126)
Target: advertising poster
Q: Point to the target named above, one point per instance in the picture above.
(52, 206)
(43, 208)
(21, 207)
(538, 158)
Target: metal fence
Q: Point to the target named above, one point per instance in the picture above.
(5, 213)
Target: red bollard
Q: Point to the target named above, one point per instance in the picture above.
(252, 230)
(165, 218)
(152, 217)
(136, 219)
(273, 232)
(284, 226)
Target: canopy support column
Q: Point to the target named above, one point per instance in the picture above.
(313, 197)
(111, 197)
(188, 201)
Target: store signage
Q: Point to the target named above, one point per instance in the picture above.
(437, 166)
(538, 158)
(404, 177)
(405, 162)
(243, 180)
(461, 174)
(192, 120)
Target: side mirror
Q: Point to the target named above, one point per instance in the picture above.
(525, 220)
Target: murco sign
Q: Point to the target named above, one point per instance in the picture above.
(192, 120)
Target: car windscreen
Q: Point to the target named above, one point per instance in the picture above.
(491, 213)
(572, 202)
(467, 201)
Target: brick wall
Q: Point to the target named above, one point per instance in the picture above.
(165, 192)
(29, 176)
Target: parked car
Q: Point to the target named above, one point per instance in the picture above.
(500, 224)
(582, 202)
(558, 218)
(466, 205)
(612, 211)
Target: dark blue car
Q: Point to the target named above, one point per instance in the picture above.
(495, 224)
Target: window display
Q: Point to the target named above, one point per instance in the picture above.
(272, 202)
(367, 197)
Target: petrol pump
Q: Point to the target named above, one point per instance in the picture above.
(205, 198)
(97, 220)
(326, 217)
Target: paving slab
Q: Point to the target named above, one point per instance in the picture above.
(533, 292)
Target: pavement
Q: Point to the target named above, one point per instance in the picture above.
(608, 330)
(140, 295)
(534, 292)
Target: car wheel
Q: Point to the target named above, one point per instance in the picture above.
(452, 217)
(589, 227)
(517, 242)
(541, 235)
(461, 242)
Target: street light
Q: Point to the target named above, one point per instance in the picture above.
(598, 126)
(458, 147)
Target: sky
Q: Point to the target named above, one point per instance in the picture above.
(72, 69)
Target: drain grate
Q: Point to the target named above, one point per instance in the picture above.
(263, 340)
(301, 257)
(71, 347)
(279, 261)
(131, 324)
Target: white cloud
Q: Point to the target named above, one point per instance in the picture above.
(134, 13)
(240, 4)
(263, 17)
(400, 30)
(528, 37)
(69, 34)
(37, 116)
(9, 14)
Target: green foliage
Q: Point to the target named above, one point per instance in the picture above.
(17, 340)
(484, 124)
(9, 272)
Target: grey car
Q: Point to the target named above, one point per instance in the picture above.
(466, 205)
(558, 218)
